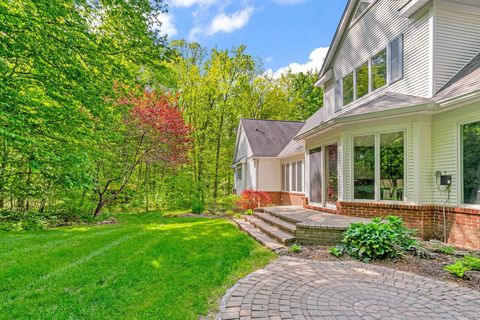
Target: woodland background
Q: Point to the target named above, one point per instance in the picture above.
(64, 140)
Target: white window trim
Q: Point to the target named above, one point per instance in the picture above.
(460, 183)
(377, 166)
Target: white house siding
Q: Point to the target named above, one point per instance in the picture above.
(457, 38)
(446, 148)
(329, 100)
(423, 129)
(242, 145)
(269, 174)
(380, 24)
(243, 151)
(250, 174)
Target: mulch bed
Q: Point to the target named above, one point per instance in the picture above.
(432, 268)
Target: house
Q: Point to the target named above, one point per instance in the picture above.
(264, 147)
(399, 132)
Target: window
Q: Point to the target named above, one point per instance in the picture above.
(391, 166)
(396, 59)
(471, 163)
(364, 167)
(362, 6)
(338, 95)
(294, 177)
(347, 88)
(362, 80)
(300, 176)
(287, 175)
(379, 70)
(239, 171)
(379, 160)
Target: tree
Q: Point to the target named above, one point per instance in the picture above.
(154, 132)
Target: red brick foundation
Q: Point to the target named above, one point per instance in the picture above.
(463, 225)
(287, 198)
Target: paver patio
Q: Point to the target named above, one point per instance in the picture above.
(292, 288)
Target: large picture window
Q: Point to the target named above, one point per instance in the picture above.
(471, 163)
(379, 166)
(364, 167)
(379, 70)
(347, 86)
(392, 160)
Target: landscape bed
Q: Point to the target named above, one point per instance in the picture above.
(144, 267)
(433, 267)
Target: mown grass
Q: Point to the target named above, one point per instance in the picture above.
(146, 267)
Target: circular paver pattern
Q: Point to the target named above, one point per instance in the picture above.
(292, 288)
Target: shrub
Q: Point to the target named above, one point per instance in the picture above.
(295, 248)
(337, 250)
(445, 249)
(461, 266)
(378, 239)
(251, 199)
(197, 207)
(227, 203)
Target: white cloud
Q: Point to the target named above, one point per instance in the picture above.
(316, 58)
(225, 23)
(289, 1)
(166, 24)
(190, 3)
(268, 59)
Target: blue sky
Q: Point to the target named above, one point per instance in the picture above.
(284, 33)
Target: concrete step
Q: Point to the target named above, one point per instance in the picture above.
(273, 231)
(258, 235)
(280, 223)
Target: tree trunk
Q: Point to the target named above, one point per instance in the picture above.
(98, 209)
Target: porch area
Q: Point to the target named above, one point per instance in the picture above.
(281, 226)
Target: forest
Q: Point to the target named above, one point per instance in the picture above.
(100, 112)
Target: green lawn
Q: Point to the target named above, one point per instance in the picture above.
(146, 267)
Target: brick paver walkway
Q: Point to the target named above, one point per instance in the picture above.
(292, 288)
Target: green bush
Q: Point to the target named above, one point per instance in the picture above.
(337, 250)
(227, 203)
(197, 207)
(295, 248)
(461, 266)
(378, 239)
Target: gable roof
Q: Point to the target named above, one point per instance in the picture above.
(267, 138)
(336, 40)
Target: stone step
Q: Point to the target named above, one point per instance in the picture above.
(258, 235)
(272, 231)
(280, 216)
(280, 223)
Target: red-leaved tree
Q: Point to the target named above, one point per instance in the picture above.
(153, 131)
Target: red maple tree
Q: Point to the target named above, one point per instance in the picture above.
(156, 133)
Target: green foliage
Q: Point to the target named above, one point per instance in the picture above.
(163, 273)
(378, 239)
(445, 249)
(295, 248)
(227, 203)
(197, 207)
(249, 212)
(337, 250)
(457, 269)
(461, 266)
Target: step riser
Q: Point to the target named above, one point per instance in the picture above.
(278, 225)
(271, 245)
(276, 215)
(272, 234)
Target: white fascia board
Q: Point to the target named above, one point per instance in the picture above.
(411, 7)
(326, 77)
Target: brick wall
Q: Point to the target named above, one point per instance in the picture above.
(463, 225)
(287, 198)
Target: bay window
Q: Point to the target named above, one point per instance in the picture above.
(471, 163)
(379, 166)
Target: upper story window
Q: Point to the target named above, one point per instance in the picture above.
(385, 67)
(348, 92)
(379, 70)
